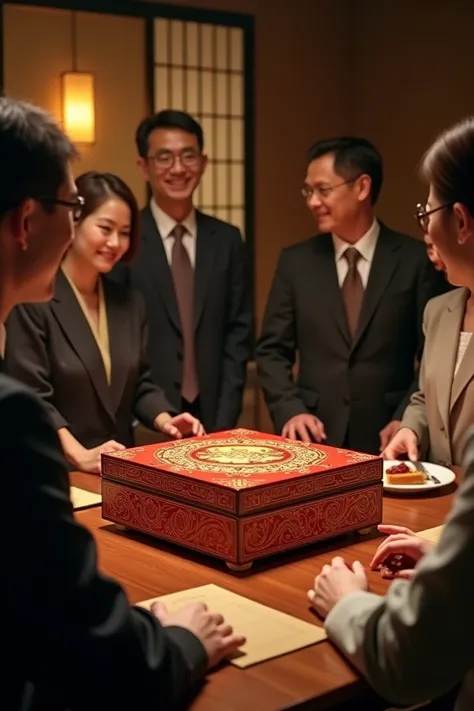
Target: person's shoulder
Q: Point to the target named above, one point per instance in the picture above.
(226, 229)
(409, 243)
(300, 250)
(17, 401)
(449, 300)
(121, 294)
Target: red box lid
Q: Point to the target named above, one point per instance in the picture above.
(240, 460)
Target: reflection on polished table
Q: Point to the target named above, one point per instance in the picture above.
(315, 678)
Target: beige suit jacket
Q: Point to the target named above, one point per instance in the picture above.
(442, 411)
(418, 642)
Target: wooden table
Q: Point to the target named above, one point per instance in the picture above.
(315, 678)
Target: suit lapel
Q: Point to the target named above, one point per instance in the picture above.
(326, 281)
(158, 267)
(73, 323)
(445, 348)
(385, 262)
(466, 368)
(118, 315)
(207, 243)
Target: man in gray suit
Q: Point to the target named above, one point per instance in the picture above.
(416, 643)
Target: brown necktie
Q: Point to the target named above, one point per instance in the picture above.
(183, 278)
(352, 289)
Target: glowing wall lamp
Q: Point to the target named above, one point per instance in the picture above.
(78, 101)
(78, 106)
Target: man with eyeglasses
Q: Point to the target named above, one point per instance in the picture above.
(191, 269)
(348, 306)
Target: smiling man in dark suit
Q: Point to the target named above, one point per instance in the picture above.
(349, 303)
(191, 270)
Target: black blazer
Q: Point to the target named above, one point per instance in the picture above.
(222, 312)
(355, 388)
(51, 348)
(72, 639)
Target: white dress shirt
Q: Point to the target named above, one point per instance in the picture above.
(166, 225)
(366, 246)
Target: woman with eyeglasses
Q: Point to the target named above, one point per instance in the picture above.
(85, 351)
(417, 642)
(435, 422)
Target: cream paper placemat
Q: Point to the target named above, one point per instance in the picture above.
(431, 534)
(81, 498)
(269, 633)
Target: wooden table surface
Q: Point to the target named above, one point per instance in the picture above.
(314, 678)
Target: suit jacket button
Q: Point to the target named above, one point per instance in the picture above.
(442, 428)
(179, 355)
(346, 400)
(177, 385)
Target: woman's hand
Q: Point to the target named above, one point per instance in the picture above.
(181, 425)
(89, 460)
(400, 541)
(404, 442)
(334, 582)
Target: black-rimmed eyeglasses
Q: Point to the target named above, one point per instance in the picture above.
(76, 205)
(422, 214)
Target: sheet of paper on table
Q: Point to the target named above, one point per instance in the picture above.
(431, 534)
(81, 499)
(269, 633)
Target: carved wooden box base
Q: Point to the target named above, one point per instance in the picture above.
(241, 495)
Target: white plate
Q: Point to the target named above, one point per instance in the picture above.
(445, 476)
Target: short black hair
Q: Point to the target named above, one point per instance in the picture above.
(34, 154)
(168, 118)
(352, 157)
(96, 188)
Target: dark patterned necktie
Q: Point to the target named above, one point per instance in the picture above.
(183, 278)
(352, 290)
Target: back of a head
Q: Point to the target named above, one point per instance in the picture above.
(34, 153)
(167, 119)
(448, 165)
(353, 157)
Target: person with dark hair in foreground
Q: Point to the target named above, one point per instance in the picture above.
(348, 306)
(192, 271)
(72, 640)
(85, 352)
(418, 642)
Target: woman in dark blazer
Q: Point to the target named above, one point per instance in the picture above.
(85, 351)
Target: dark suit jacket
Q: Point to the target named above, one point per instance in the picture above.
(70, 637)
(356, 387)
(51, 348)
(222, 312)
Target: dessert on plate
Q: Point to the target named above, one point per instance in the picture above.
(403, 474)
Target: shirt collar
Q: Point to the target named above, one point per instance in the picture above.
(366, 245)
(166, 224)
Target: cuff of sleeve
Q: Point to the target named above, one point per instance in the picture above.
(339, 620)
(192, 650)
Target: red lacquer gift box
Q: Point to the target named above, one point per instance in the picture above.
(241, 495)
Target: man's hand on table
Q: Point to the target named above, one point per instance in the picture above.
(216, 636)
(304, 427)
(400, 541)
(335, 582)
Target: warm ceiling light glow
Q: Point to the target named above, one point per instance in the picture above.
(78, 106)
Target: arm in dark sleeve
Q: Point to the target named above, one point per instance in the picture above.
(150, 399)
(431, 283)
(73, 627)
(276, 351)
(27, 358)
(401, 642)
(237, 341)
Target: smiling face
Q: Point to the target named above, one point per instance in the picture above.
(103, 237)
(335, 202)
(174, 165)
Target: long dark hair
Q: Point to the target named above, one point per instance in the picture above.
(448, 165)
(96, 188)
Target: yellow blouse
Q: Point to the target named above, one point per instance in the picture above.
(101, 334)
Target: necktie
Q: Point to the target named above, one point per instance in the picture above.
(183, 278)
(352, 289)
